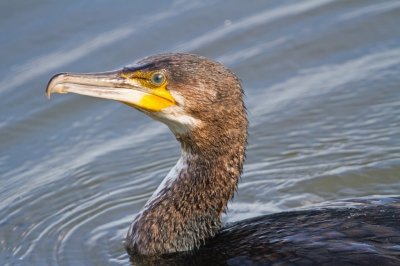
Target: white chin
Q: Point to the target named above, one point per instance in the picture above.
(176, 119)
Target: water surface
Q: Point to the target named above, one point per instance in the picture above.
(322, 88)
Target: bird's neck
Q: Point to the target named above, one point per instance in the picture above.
(186, 209)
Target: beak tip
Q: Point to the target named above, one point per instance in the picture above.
(53, 83)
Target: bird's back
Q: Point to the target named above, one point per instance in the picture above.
(353, 232)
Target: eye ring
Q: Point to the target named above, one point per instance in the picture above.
(157, 79)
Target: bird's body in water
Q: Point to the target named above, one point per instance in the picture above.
(201, 102)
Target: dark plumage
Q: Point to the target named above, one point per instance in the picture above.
(188, 212)
(352, 232)
(201, 101)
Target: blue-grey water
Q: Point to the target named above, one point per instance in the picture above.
(322, 83)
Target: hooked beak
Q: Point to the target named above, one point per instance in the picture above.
(108, 85)
(111, 85)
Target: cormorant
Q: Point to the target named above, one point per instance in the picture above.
(201, 102)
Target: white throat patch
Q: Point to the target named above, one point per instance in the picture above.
(176, 118)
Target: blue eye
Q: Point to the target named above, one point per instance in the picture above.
(157, 79)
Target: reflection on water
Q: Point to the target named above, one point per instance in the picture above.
(322, 90)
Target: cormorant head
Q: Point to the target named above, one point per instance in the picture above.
(183, 91)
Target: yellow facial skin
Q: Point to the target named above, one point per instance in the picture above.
(157, 97)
